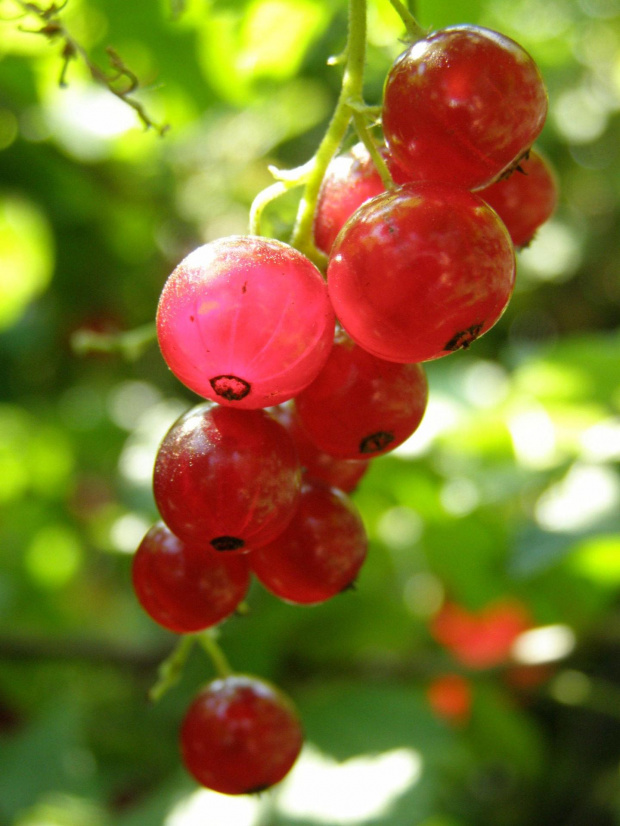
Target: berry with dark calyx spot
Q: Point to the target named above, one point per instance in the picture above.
(462, 106)
(240, 735)
(245, 321)
(525, 199)
(343, 474)
(184, 587)
(421, 271)
(361, 406)
(321, 552)
(226, 478)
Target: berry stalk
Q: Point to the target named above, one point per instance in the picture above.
(350, 96)
(209, 643)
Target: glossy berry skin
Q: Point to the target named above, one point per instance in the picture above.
(240, 735)
(343, 474)
(462, 106)
(245, 321)
(361, 406)
(525, 199)
(351, 179)
(321, 552)
(229, 478)
(186, 588)
(421, 271)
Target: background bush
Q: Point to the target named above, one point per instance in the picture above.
(509, 492)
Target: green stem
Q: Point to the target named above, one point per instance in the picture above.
(263, 199)
(171, 668)
(377, 158)
(208, 641)
(350, 94)
(415, 32)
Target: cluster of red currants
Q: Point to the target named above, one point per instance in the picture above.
(255, 479)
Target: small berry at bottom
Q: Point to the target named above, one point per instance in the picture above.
(240, 735)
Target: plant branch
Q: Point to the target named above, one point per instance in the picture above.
(130, 344)
(121, 81)
(364, 135)
(171, 669)
(208, 641)
(351, 96)
(415, 32)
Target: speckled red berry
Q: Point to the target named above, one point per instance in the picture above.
(321, 552)
(421, 271)
(462, 105)
(240, 735)
(186, 587)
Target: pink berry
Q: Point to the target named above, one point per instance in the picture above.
(245, 321)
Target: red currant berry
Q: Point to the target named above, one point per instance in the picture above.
(350, 180)
(525, 199)
(184, 587)
(240, 735)
(421, 271)
(462, 106)
(343, 474)
(226, 477)
(361, 406)
(245, 321)
(319, 554)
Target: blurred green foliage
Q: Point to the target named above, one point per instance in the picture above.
(509, 489)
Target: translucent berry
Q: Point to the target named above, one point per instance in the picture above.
(228, 478)
(462, 106)
(360, 405)
(525, 199)
(421, 271)
(319, 554)
(240, 735)
(186, 587)
(343, 474)
(245, 321)
(351, 179)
